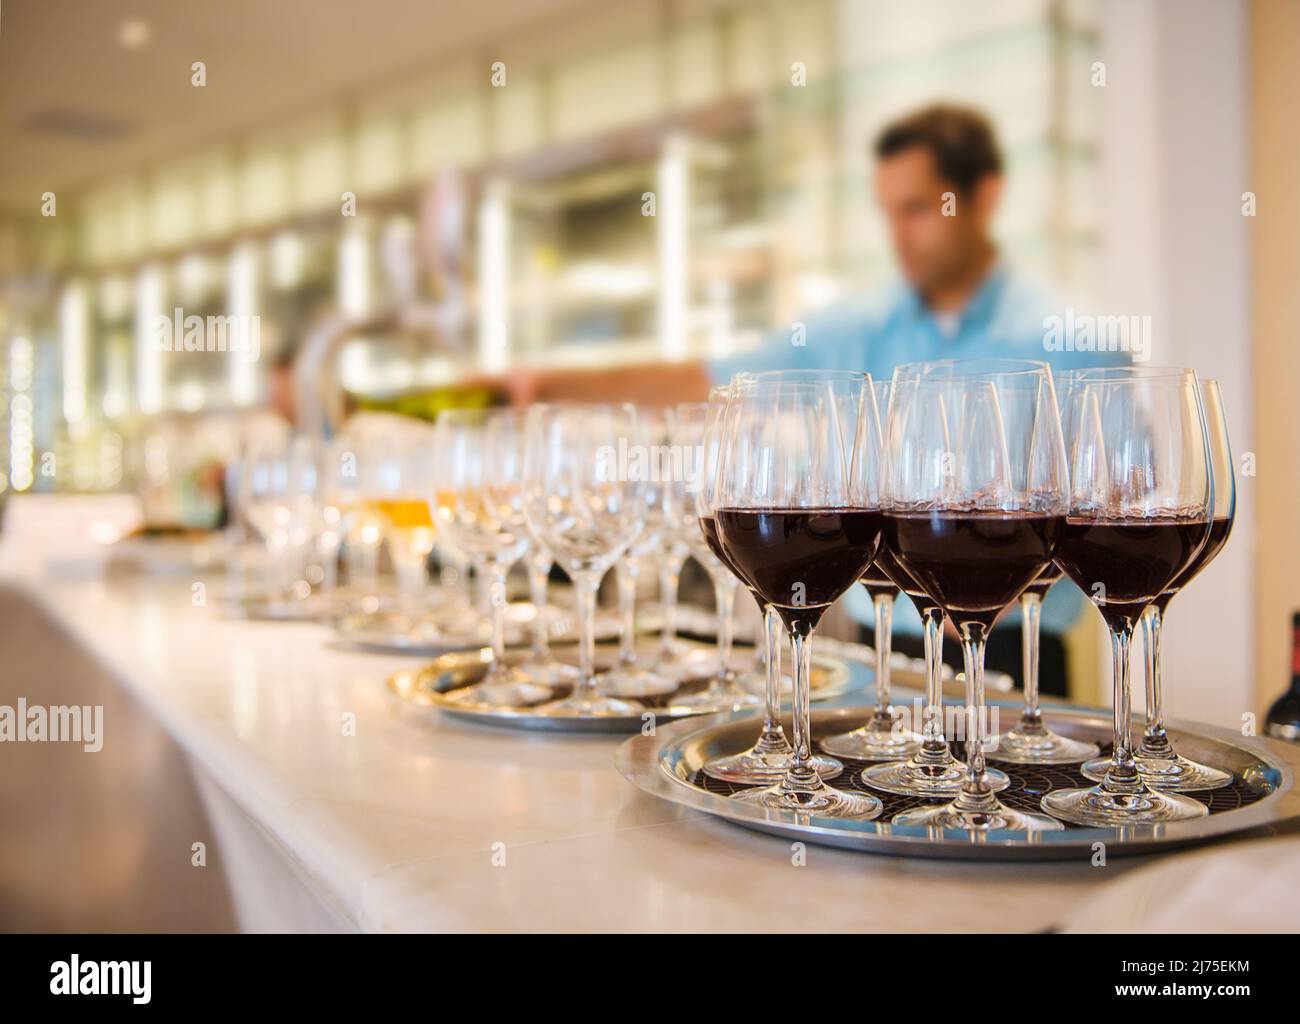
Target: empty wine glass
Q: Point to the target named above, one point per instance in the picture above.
(974, 495)
(479, 458)
(797, 517)
(278, 499)
(629, 677)
(581, 502)
(693, 424)
(1140, 502)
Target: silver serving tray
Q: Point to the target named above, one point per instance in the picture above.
(664, 764)
(435, 686)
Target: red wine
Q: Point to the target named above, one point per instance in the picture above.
(1219, 530)
(877, 583)
(1124, 564)
(973, 564)
(799, 560)
(1046, 579)
(709, 527)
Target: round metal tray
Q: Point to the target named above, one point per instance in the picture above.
(437, 685)
(1261, 801)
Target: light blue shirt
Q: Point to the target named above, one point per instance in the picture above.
(1004, 319)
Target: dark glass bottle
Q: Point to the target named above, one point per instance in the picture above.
(1283, 721)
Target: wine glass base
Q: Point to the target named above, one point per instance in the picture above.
(507, 688)
(1175, 774)
(929, 781)
(875, 741)
(997, 818)
(720, 696)
(594, 705)
(549, 672)
(823, 801)
(629, 681)
(754, 768)
(1101, 809)
(1041, 746)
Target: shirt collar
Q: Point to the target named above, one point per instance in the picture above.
(978, 309)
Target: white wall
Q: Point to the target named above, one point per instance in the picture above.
(1175, 245)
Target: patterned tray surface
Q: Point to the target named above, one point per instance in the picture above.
(1028, 785)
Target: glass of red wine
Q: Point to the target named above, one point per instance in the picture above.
(767, 761)
(974, 496)
(1141, 494)
(798, 519)
(883, 737)
(933, 772)
(1158, 762)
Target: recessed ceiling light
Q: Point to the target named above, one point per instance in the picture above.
(133, 33)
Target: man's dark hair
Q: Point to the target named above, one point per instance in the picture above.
(960, 139)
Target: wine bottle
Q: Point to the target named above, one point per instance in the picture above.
(1283, 721)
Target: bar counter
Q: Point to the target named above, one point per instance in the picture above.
(407, 823)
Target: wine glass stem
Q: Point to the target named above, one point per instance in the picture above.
(539, 574)
(724, 593)
(800, 776)
(1122, 776)
(884, 609)
(670, 573)
(627, 573)
(935, 744)
(772, 736)
(497, 605)
(976, 794)
(1031, 606)
(585, 586)
(1155, 741)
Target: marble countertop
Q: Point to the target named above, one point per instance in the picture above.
(418, 822)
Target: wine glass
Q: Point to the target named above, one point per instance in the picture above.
(697, 434)
(932, 772)
(399, 480)
(768, 759)
(882, 737)
(1159, 764)
(974, 495)
(479, 455)
(1141, 494)
(677, 525)
(629, 677)
(797, 517)
(278, 498)
(1030, 741)
(581, 502)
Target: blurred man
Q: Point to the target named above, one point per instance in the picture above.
(938, 180)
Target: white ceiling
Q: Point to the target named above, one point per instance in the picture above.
(116, 109)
